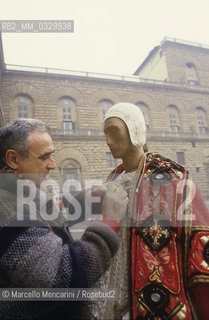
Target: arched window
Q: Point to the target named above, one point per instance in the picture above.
(144, 109)
(67, 113)
(191, 72)
(71, 170)
(23, 106)
(173, 115)
(104, 105)
(201, 120)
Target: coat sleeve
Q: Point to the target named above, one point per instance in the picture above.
(37, 257)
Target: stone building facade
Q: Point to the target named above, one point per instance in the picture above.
(2, 68)
(171, 87)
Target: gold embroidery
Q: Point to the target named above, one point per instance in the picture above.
(198, 279)
(204, 239)
(205, 265)
(141, 305)
(181, 313)
(155, 275)
(156, 232)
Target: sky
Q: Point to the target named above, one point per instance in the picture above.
(110, 36)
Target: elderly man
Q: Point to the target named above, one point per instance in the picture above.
(161, 270)
(38, 253)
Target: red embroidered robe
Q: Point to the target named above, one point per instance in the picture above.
(169, 256)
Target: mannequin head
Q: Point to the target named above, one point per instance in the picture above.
(133, 118)
(125, 132)
(118, 138)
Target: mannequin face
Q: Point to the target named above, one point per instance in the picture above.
(117, 137)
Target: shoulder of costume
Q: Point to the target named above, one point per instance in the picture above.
(155, 162)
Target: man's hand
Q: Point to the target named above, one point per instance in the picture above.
(115, 201)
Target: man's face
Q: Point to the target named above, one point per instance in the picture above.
(117, 137)
(39, 161)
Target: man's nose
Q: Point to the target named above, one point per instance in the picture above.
(51, 163)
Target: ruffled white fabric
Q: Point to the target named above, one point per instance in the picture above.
(117, 276)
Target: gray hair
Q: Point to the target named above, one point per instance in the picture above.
(15, 136)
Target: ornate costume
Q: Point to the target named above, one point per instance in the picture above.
(162, 268)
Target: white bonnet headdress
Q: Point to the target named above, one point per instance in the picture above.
(133, 118)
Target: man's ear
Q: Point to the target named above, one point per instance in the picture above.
(11, 159)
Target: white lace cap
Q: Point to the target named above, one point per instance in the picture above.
(133, 118)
